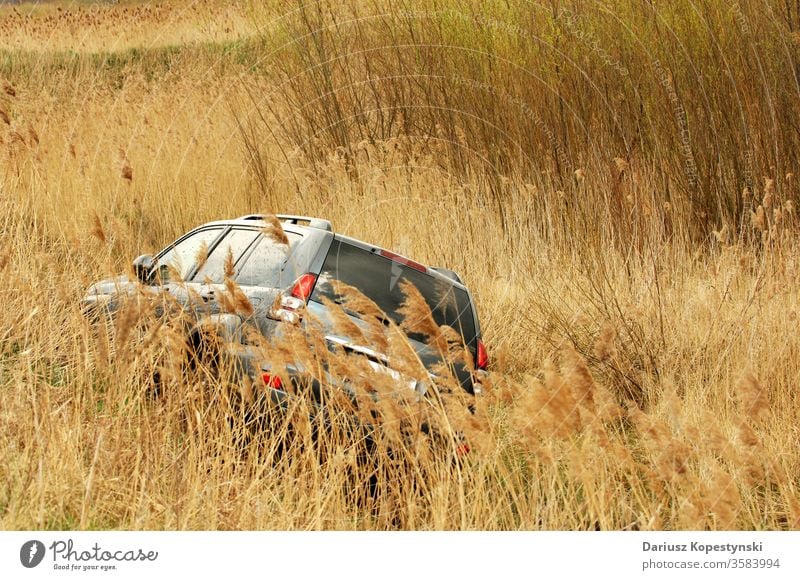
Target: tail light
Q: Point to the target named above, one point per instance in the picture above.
(288, 307)
(304, 286)
(482, 357)
(272, 381)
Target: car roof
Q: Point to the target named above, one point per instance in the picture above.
(253, 223)
(290, 223)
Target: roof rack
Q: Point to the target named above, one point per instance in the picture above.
(300, 220)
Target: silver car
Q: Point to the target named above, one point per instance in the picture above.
(288, 267)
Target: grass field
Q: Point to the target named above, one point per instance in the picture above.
(617, 184)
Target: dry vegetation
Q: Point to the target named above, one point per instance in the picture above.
(615, 183)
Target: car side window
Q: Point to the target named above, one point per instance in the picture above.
(232, 246)
(269, 264)
(179, 261)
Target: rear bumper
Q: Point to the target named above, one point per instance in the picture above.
(247, 362)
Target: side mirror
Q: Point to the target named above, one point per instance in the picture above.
(143, 268)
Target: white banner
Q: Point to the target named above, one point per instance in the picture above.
(406, 555)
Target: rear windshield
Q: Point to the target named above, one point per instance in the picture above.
(380, 279)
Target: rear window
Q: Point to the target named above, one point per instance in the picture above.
(380, 279)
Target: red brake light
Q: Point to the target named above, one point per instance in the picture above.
(482, 358)
(403, 260)
(272, 381)
(304, 286)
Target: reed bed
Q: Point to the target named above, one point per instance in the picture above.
(616, 186)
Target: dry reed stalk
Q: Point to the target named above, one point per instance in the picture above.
(753, 398)
(604, 347)
(274, 230)
(33, 136)
(769, 192)
(369, 312)
(724, 501)
(242, 304)
(746, 436)
(202, 255)
(342, 323)
(668, 454)
(97, 229)
(125, 168)
(794, 512)
(229, 266)
(418, 318)
(758, 219)
(576, 374)
(557, 402)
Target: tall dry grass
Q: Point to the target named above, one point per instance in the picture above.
(641, 322)
(680, 107)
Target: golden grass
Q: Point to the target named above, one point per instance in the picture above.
(87, 27)
(644, 358)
